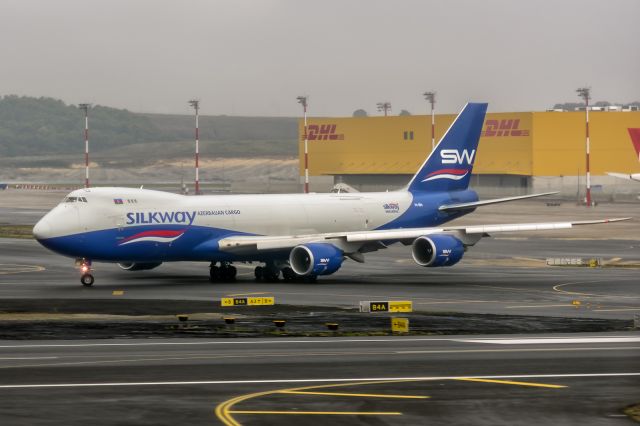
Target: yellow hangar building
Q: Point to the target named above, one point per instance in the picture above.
(519, 151)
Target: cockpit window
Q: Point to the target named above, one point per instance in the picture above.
(74, 200)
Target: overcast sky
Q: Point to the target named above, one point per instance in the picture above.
(245, 57)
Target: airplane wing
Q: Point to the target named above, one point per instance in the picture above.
(351, 242)
(474, 204)
(635, 176)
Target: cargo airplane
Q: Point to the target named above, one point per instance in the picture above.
(296, 236)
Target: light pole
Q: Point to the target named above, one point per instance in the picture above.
(85, 108)
(196, 106)
(384, 106)
(585, 93)
(302, 100)
(431, 98)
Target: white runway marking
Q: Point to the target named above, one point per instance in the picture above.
(392, 340)
(29, 358)
(335, 380)
(562, 340)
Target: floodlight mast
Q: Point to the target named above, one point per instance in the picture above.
(302, 100)
(195, 104)
(384, 106)
(585, 93)
(85, 108)
(431, 98)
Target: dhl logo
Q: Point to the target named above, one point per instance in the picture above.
(324, 132)
(507, 127)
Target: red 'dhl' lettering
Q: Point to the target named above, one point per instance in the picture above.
(324, 132)
(506, 127)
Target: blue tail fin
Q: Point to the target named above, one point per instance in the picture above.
(449, 166)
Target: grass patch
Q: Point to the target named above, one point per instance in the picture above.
(633, 411)
(16, 231)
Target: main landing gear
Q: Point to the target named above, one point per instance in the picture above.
(85, 269)
(271, 274)
(224, 273)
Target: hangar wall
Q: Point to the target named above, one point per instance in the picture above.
(518, 151)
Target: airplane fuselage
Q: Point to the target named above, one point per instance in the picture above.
(138, 225)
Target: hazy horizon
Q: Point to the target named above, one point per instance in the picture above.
(252, 58)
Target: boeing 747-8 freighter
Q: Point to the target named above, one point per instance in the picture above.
(296, 236)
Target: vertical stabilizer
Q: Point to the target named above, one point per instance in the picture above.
(449, 166)
(635, 140)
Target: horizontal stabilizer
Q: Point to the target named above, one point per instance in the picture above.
(474, 204)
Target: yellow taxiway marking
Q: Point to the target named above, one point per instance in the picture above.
(577, 293)
(10, 268)
(246, 294)
(369, 395)
(223, 410)
(324, 413)
(509, 382)
(617, 309)
(540, 306)
(458, 301)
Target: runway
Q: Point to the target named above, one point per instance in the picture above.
(498, 276)
(463, 380)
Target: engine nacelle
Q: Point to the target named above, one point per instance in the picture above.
(315, 259)
(437, 250)
(131, 266)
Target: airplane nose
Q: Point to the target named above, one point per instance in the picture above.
(42, 230)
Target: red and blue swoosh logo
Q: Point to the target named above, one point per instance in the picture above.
(453, 174)
(158, 236)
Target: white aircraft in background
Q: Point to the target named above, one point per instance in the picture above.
(298, 236)
(635, 141)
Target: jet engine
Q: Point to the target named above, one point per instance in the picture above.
(131, 266)
(437, 250)
(315, 259)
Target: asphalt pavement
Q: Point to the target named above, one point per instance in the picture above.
(559, 379)
(498, 276)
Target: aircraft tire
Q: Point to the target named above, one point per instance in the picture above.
(87, 280)
(228, 273)
(288, 275)
(271, 275)
(259, 273)
(214, 274)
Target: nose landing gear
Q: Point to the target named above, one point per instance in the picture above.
(85, 269)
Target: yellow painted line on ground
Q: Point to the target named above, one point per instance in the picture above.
(223, 410)
(577, 293)
(10, 268)
(458, 301)
(509, 382)
(324, 413)
(526, 290)
(246, 294)
(539, 306)
(366, 395)
(617, 310)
